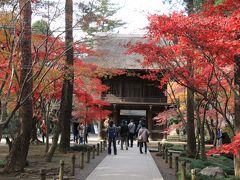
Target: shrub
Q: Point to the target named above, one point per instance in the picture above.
(218, 161)
(2, 163)
(82, 147)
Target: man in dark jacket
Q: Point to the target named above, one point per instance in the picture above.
(124, 131)
(131, 127)
(112, 135)
(75, 131)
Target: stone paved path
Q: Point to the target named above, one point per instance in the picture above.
(126, 165)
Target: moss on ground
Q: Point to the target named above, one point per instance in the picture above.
(215, 161)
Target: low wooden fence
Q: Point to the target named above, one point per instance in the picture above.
(180, 166)
(96, 150)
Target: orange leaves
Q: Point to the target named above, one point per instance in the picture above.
(205, 42)
(81, 49)
(162, 117)
(232, 148)
(87, 92)
(152, 77)
(88, 107)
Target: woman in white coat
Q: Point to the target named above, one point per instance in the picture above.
(143, 134)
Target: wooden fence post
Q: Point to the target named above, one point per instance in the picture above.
(73, 165)
(166, 155)
(159, 147)
(104, 145)
(61, 170)
(42, 174)
(183, 170)
(163, 154)
(170, 159)
(184, 147)
(93, 153)
(193, 174)
(88, 155)
(82, 160)
(101, 147)
(176, 164)
(97, 149)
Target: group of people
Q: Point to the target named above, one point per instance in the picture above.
(80, 133)
(125, 133)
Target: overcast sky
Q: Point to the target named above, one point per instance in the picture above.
(134, 12)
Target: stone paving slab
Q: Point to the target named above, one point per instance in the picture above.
(126, 165)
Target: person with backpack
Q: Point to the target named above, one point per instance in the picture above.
(112, 135)
(124, 131)
(131, 127)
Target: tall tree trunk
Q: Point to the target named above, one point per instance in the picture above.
(67, 89)
(191, 140)
(46, 117)
(237, 112)
(20, 147)
(3, 117)
(202, 133)
(215, 126)
(53, 147)
(34, 137)
(1, 132)
(210, 131)
(198, 141)
(198, 137)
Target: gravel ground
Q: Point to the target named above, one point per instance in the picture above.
(167, 173)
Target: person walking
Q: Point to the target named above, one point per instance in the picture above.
(112, 135)
(131, 127)
(118, 138)
(81, 132)
(143, 134)
(137, 130)
(219, 137)
(86, 127)
(75, 131)
(44, 130)
(124, 134)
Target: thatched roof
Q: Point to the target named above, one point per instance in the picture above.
(111, 49)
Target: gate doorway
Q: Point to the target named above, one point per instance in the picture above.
(135, 115)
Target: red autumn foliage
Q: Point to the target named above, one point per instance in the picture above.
(172, 127)
(232, 148)
(199, 40)
(205, 42)
(48, 56)
(162, 117)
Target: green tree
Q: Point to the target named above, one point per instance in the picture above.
(97, 16)
(41, 27)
